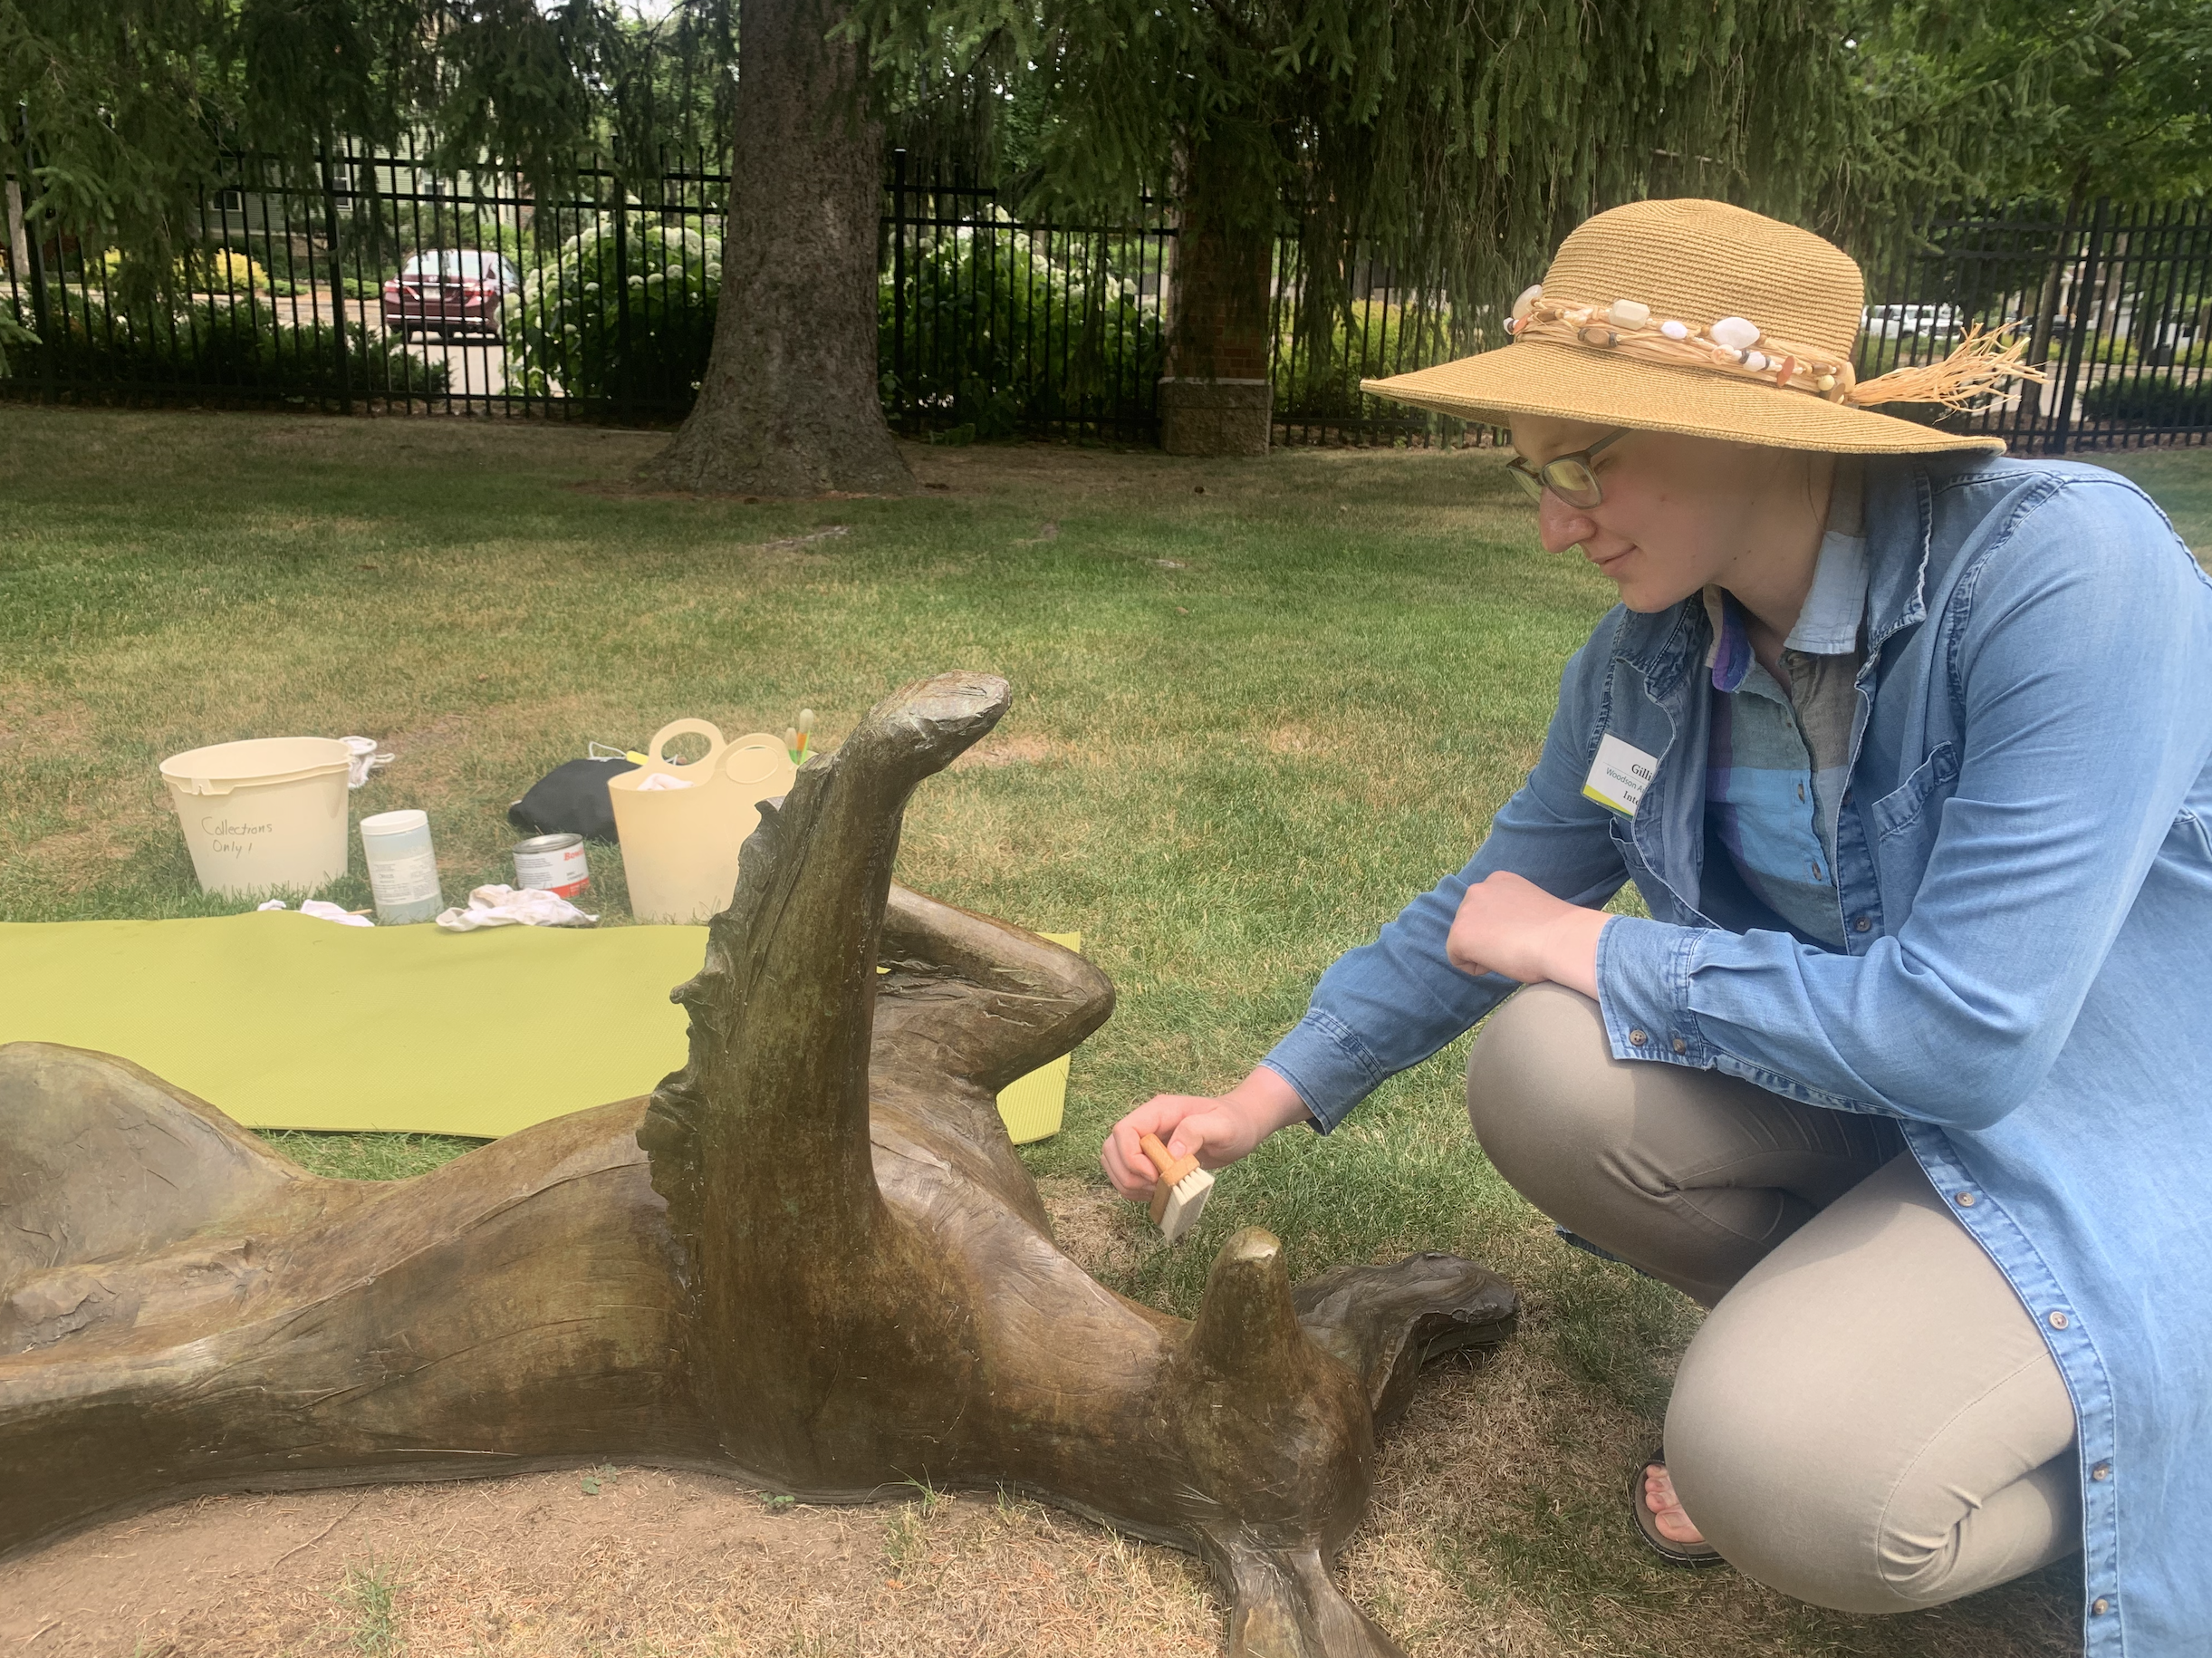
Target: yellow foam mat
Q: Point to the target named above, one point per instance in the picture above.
(284, 1021)
(1032, 1106)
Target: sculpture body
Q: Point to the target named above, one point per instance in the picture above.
(811, 1261)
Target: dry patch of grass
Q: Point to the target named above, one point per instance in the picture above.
(602, 1562)
(1500, 1468)
(996, 750)
(1094, 1227)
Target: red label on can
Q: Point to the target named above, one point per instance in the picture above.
(553, 863)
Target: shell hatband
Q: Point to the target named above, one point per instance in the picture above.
(1977, 368)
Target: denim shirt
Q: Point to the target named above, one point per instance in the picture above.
(2024, 864)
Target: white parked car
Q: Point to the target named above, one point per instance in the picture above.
(1895, 321)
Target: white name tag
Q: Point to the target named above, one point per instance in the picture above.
(1619, 775)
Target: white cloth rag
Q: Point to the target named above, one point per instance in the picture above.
(661, 780)
(324, 911)
(363, 759)
(498, 906)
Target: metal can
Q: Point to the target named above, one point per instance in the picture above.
(551, 863)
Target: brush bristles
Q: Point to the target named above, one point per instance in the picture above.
(1186, 1199)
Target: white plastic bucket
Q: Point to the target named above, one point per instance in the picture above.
(681, 845)
(262, 814)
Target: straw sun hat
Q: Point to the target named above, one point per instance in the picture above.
(1699, 317)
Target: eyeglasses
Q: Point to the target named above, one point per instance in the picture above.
(1571, 477)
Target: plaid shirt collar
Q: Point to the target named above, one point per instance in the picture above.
(1829, 622)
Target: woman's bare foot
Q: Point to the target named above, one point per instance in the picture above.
(1667, 1516)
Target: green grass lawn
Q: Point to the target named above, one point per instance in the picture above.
(2181, 482)
(1257, 706)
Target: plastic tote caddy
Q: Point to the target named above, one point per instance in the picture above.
(680, 845)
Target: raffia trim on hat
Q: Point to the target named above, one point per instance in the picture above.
(1979, 367)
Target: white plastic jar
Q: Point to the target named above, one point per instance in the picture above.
(402, 868)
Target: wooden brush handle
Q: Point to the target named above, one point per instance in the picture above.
(1171, 1169)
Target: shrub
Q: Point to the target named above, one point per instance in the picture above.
(215, 269)
(564, 332)
(1381, 336)
(1000, 336)
(224, 270)
(2113, 351)
(2156, 402)
(235, 348)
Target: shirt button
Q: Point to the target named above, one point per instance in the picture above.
(2101, 1606)
(1679, 1046)
(1965, 1199)
(1637, 1038)
(1801, 791)
(2059, 1321)
(1816, 871)
(1863, 924)
(2103, 1470)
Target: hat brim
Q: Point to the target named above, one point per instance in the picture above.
(1569, 382)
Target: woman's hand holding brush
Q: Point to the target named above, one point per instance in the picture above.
(1217, 1129)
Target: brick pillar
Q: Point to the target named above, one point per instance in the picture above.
(1215, 398)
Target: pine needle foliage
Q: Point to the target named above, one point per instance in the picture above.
(2006, 98)
(113, 115)
(1457, 139)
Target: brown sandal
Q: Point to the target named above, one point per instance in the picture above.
(1646, 1523)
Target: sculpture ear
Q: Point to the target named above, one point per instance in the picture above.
(1259, 1406)
(1248, 1323)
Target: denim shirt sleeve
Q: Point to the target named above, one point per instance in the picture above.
(1389, 1005)
(2083, 674)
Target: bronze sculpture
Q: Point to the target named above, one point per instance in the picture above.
(810, 1260)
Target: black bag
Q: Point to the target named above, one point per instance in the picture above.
(571, 799)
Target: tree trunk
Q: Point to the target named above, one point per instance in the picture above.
(1216, 398)
(790, 404)
(811, 1261)
(18, 242)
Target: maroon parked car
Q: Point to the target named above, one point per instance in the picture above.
(456, 290)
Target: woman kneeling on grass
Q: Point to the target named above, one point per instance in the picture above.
(1907, 1079)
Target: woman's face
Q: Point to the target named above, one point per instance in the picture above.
(1679, 512)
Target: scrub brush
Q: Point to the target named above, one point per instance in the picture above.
(1180, 1196)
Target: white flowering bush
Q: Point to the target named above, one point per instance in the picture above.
(564, 327)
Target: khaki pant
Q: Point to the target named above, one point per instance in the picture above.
(1869, 1419)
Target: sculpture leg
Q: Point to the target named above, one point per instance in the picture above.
(1284, 1605)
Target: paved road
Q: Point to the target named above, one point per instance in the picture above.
(475, 364)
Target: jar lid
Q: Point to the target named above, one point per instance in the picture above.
(395, 822)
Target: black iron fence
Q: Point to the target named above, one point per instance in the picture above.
(992, 325)
(2114, 303)
(374, 282)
